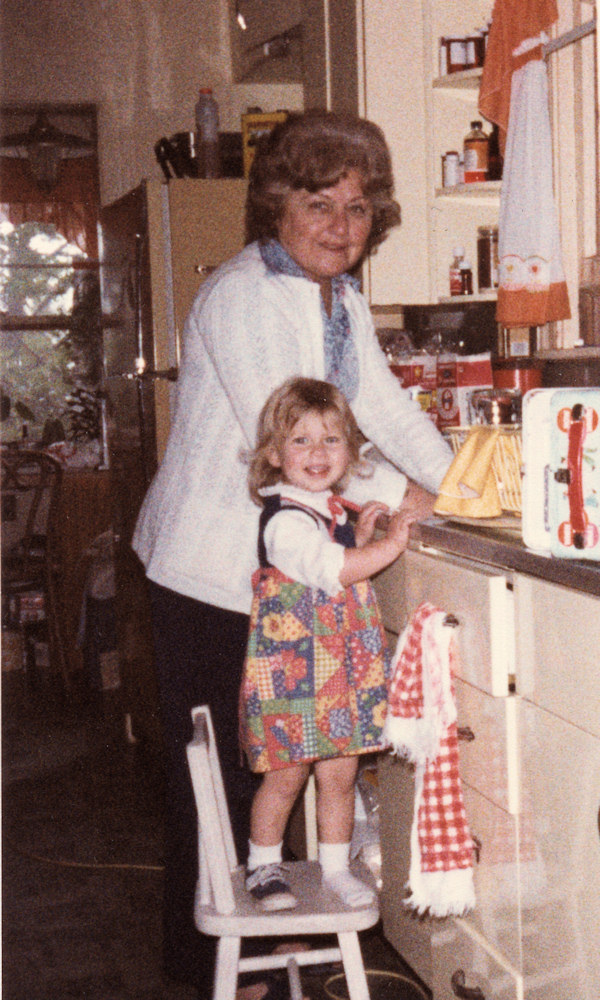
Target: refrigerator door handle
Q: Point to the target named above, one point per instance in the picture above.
(149, 374)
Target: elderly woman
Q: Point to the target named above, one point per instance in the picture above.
(320, 197)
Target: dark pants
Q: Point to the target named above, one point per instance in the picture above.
(200, 652)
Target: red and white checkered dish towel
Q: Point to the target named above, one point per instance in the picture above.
(421, 726)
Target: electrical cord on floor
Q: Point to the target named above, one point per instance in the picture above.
(93, 865)
(397, 977)
(130, 866)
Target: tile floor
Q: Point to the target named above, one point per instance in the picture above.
(82, 871)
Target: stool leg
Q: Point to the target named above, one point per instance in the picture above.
(354, 968)
(226, 972)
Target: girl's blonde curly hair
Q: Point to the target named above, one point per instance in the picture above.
(282, 411)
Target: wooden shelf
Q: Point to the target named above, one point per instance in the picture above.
(476, 297)
(484, 189)
(467, 79)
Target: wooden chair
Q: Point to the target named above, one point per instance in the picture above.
(31, 484)
(224, 909)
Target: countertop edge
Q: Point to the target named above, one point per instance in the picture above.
(488, 546)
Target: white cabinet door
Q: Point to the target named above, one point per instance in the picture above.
(560, 858)
(558, 650)
(464, 966)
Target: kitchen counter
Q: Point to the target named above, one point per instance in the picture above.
(527, 694)
(503, 546)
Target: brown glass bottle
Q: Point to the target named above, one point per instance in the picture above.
(476, 147)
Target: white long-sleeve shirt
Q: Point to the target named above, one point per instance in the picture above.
(249, 330)
(299, 545)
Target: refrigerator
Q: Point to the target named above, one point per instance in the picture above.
(158, 243)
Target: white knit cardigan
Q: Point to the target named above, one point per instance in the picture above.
(248, 331)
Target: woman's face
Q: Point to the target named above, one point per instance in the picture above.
(326, 232)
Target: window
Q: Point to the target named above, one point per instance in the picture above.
(50, 328)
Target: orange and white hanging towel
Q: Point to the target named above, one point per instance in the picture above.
(421, 726)
(514, 94)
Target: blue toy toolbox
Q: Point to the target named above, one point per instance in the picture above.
(561, 472)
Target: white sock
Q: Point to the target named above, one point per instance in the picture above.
(335, 865)
(259, 854)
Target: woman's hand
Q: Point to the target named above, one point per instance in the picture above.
(398, 528)
(365, 524)
(418, 502)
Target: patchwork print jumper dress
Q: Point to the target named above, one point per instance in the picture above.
(317, 667)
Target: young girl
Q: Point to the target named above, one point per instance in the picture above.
(314, 684)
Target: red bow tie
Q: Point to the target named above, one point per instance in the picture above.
(336, 505)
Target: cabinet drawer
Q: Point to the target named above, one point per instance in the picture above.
(488, 744)
(409, 935)
(481, 601)
(558, 650)
(461, 957)
(496, 876)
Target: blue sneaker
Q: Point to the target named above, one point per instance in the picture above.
(267, 885)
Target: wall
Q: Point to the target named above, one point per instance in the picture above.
(141, 63)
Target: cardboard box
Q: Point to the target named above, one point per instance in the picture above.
(417, 373)
(254, 126)
(458, 376)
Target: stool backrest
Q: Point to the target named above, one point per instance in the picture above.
(217, 855)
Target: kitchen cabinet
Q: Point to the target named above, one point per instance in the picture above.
(422, 117)
(528, 706)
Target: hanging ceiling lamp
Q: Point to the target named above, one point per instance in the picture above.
(45, 146)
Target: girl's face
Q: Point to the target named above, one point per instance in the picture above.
(315, 454)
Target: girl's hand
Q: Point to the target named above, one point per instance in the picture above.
(377, 553)
(365, 524)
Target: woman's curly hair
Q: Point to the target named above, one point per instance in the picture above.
(314, 150)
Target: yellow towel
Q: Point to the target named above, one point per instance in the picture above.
(469, 487)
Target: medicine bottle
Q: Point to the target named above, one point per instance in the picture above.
(476, 147)
(466, 277)
(454, 274)
(450, 169)
(207, 133)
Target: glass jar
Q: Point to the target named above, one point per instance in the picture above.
(487, 258)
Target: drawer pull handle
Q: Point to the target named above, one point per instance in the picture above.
(451, 620)
(205, 269)
(476, 847)
(460, 990)
(465, 733)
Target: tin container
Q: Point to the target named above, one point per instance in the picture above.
(495, 406)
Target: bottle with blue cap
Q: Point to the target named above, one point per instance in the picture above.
(207, 133)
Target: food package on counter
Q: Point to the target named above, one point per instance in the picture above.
(418, 374)
(457, 376)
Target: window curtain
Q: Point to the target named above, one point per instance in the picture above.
(72, 206)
